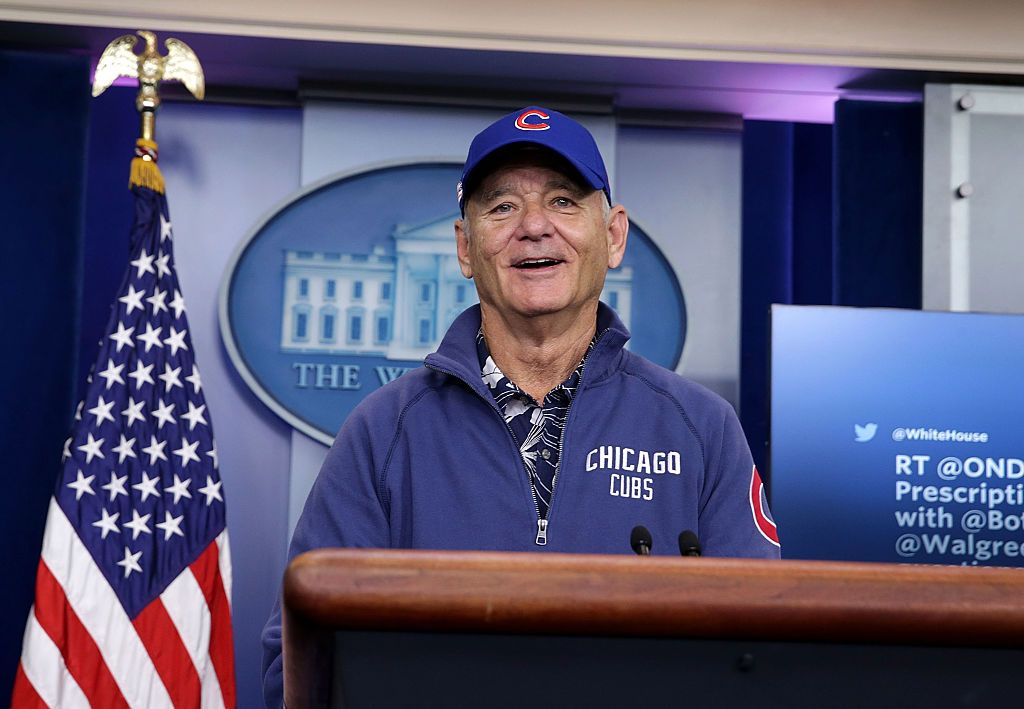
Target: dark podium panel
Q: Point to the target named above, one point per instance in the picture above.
(368, 628)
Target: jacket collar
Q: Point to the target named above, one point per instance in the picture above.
(457, 353)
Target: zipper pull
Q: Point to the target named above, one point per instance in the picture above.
(542, 532)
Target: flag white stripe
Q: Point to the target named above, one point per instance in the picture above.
(186, 606)
(45, 669)
(101, 613)
(224, 560)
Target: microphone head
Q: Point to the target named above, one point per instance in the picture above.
(640, 539)
(689, 545)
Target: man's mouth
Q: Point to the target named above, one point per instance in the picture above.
(535, 263)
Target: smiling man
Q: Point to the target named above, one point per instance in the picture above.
(532, 428)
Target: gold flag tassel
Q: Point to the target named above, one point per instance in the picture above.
(145, 171)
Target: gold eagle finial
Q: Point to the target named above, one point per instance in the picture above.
(150, 68)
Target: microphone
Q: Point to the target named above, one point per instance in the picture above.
(688, 544)
(640, 540)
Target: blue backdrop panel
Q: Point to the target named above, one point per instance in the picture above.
(43, 124)
(896, 435)
(787, 248)
(878, 185)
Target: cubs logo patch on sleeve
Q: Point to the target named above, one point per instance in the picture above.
(759, 509)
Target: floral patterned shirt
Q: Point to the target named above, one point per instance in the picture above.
(536, 427)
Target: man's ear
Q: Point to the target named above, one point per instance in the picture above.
(462, 247)
(618, 233)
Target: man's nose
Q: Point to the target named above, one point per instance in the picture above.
(535, 223)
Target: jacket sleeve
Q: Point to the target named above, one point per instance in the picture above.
(344, 509)
(734, 515)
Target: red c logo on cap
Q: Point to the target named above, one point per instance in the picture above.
(521, 123)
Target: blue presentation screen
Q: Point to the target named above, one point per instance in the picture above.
(898, 435)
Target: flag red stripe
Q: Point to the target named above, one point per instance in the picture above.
(169, 654)
(81, 654)
(206, 569)
(25, 696)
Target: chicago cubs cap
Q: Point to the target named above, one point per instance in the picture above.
(538, 126)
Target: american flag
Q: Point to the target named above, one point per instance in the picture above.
(132, 603)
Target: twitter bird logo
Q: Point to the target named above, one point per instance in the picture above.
(864, 433)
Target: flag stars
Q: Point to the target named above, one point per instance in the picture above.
(112, 374)
(212, 491)
(91, 448)
(176, 340)
(157, 301)
(123, 336)
(130, 562)
(194, 380)
(155, 450)
(116, 485)
(134, 411)
(187, 453)
(147, 487)
(132, 299)
(180, 488)
(66, 453)
(178, 304)
(141, 375)
(171, 377)
(143, 264)
(138, 525)
(164, 414)
(171, 525)
(165, 229)
(213, 454)
(151, 337)
(82, 485)
(162, 268)
(195, 415)
(125, 449)
(107, 523)
(102, 411)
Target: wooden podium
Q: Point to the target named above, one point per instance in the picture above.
(952, 631)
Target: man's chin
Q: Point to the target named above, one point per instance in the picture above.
(541, 308)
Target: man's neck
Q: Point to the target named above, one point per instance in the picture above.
(539, 353)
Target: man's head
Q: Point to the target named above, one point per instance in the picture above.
(538, 231)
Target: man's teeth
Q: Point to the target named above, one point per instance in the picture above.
(538, 263)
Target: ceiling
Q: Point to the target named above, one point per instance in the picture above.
(653, 91)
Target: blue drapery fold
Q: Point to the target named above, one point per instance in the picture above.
(43, 126)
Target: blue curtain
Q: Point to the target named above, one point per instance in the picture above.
(787, 249)
(879, 184)
(831, 216)
(43, 123)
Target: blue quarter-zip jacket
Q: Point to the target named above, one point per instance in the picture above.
(428, 462)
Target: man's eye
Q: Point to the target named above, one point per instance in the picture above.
(562, 202)
(503, 208)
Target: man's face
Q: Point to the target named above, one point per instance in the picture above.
(535, 241)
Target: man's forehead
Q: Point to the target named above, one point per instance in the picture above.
(506, 170)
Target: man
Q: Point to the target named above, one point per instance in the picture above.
(531, 428)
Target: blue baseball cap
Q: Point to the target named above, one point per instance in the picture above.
(538, 126)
